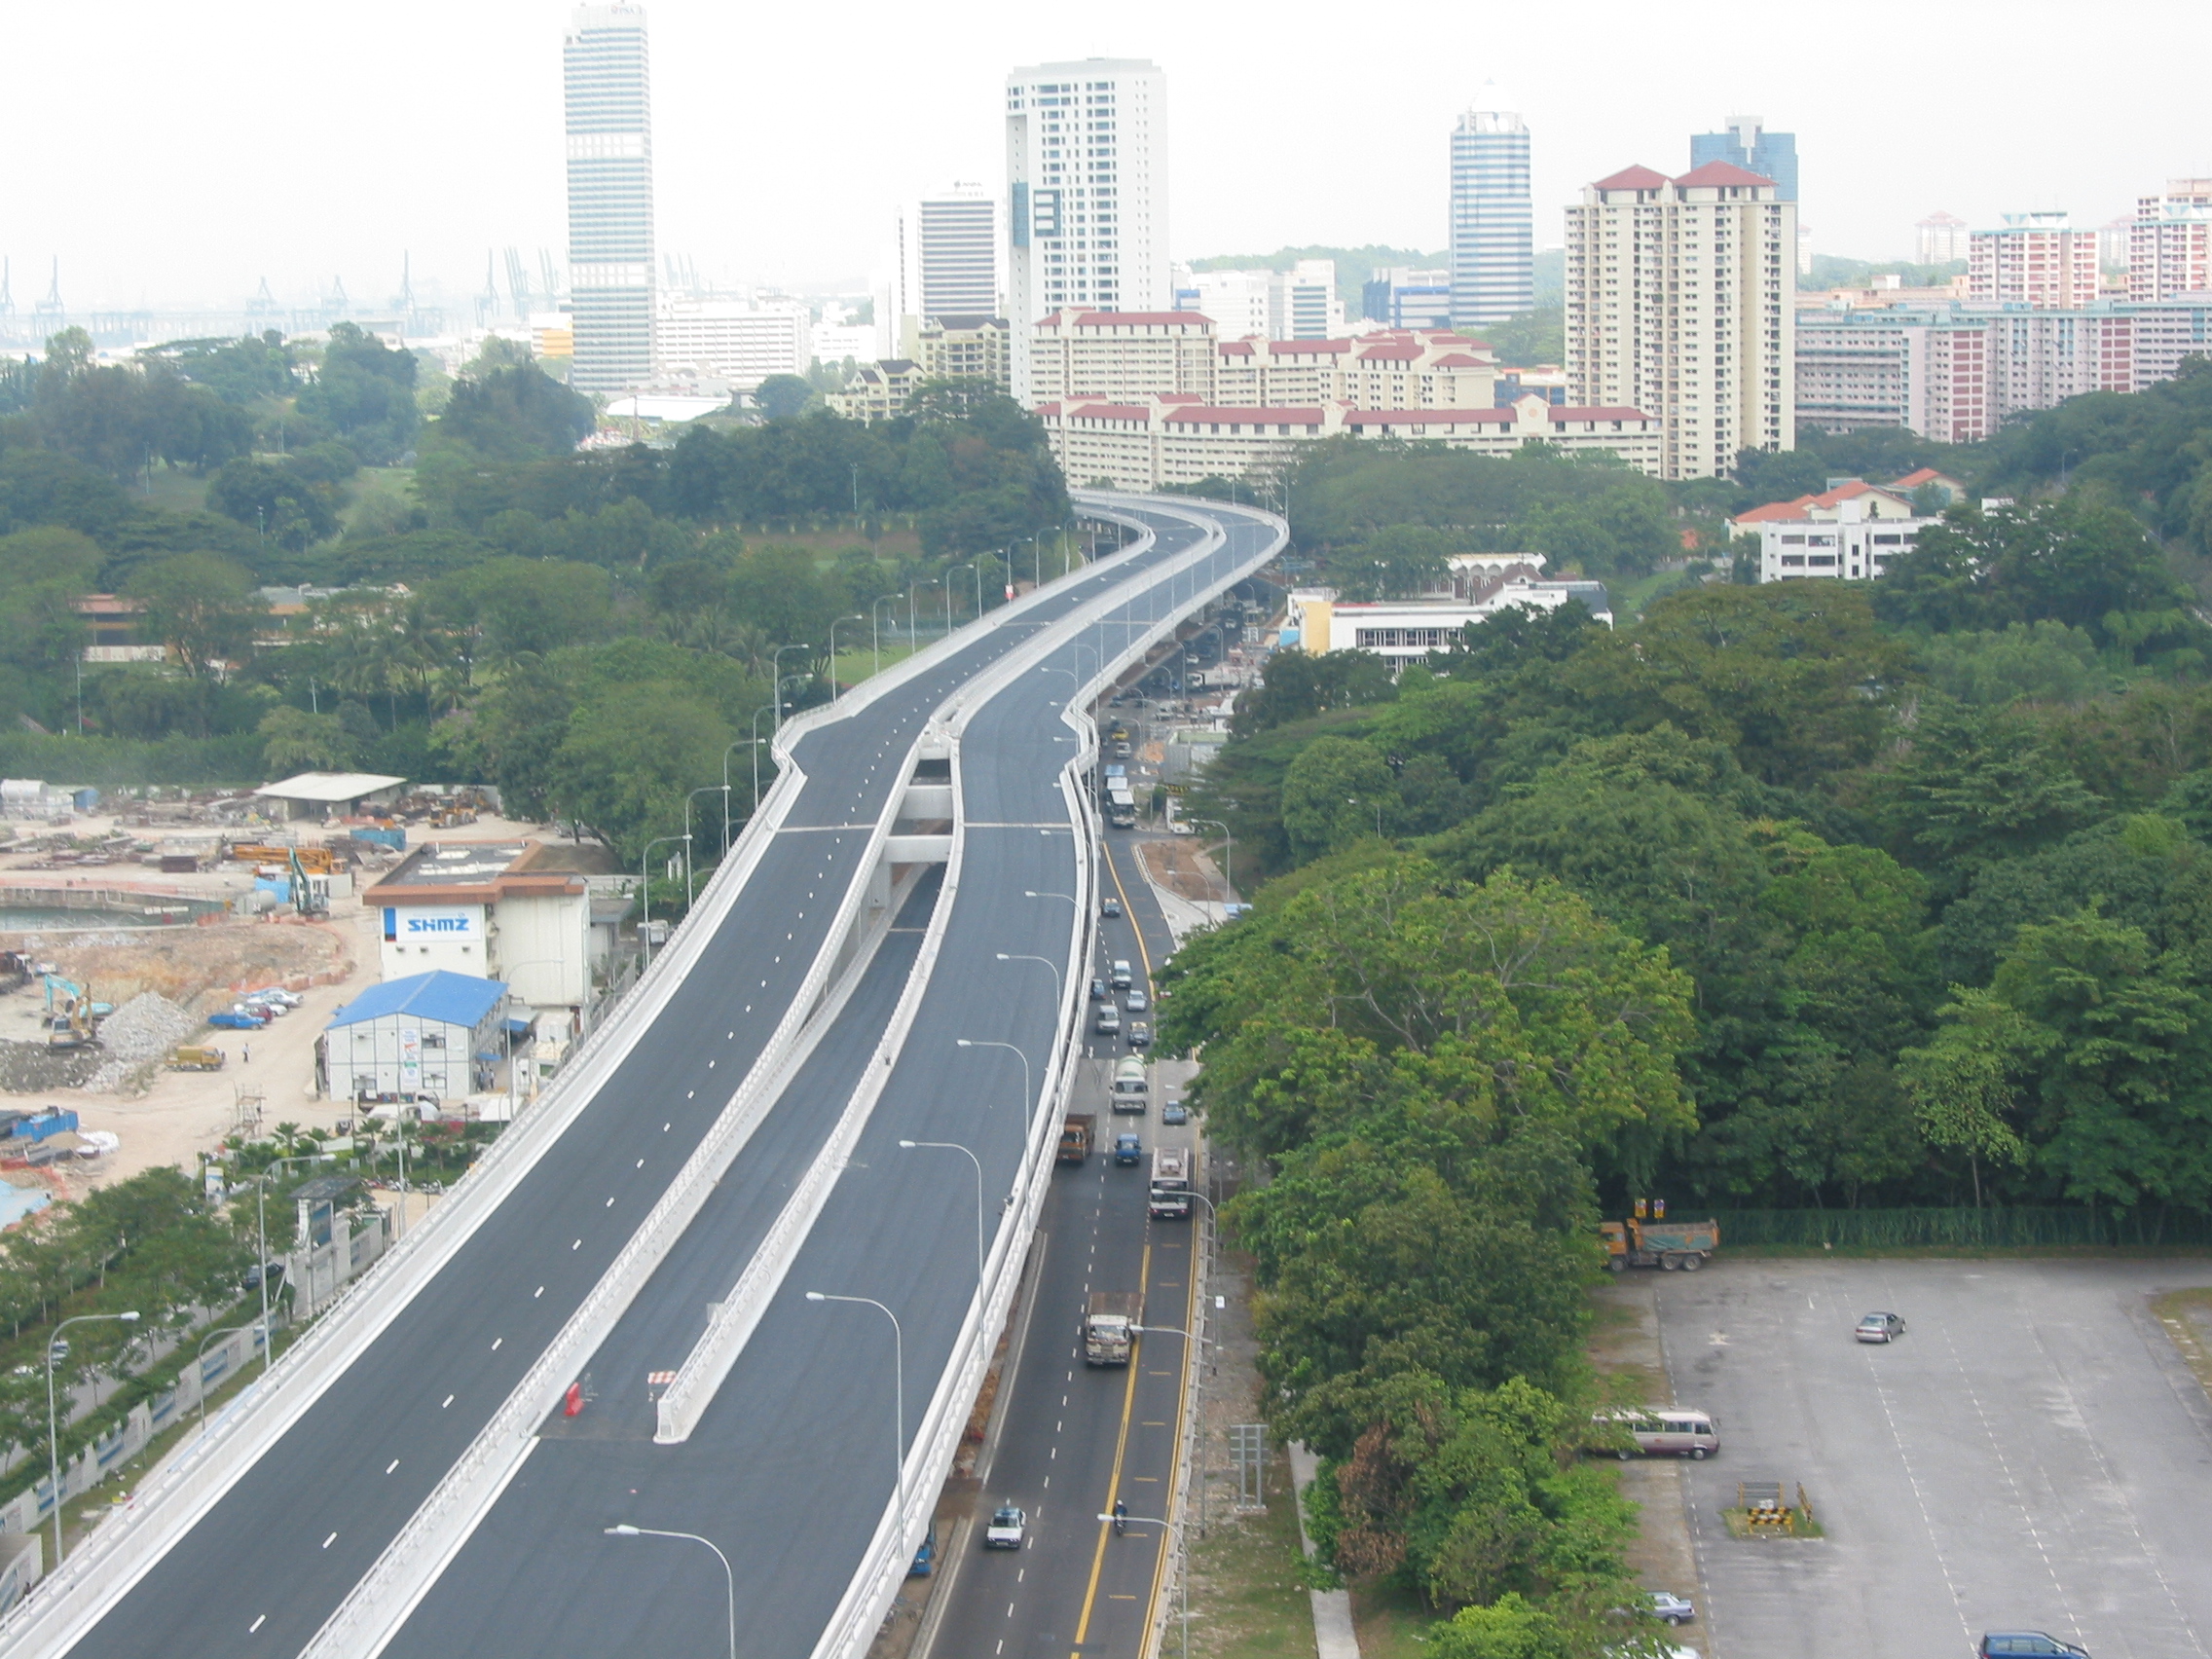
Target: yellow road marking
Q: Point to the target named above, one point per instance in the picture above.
(1123, 895)
(1175, 1452)
(1114, 1480)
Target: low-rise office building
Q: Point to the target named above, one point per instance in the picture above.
(1852, 532)
(509, 910)
(434, 1035)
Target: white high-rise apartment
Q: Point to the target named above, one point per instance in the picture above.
(1236, 302)
(948, 259)
(610, 196)
(1493, 245)
(2170, 242)
(1679, 298)
(2037, 260)
(1939, 239)
(1303, 303)
(1087, 210)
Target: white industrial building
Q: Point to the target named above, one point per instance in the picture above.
(319, 795)
(516, 912)
(1476, 588)
(438, 1035)
(739, 341)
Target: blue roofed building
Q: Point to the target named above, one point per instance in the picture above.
(437, 1035)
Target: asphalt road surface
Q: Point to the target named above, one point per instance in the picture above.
(1075, 1437)
(263, 1569)
(791, 1466)
(2029, 1455)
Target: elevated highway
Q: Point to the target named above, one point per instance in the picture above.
(404, 1483)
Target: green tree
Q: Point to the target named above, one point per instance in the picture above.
(293, 740)
(1334, 793)
(201, 607)
(1509, 1627)
(364, 391)
(628, 757)
(514, 413)
(784, 397)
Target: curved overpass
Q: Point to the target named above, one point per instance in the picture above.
(404, 1480)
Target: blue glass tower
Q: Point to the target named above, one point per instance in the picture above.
(1492, 233)
(1748, 144)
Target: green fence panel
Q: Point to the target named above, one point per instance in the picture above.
(1990, 1228)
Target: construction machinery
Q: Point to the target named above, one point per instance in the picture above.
(1638, 1243)
(72, 1017)
(197, 1056)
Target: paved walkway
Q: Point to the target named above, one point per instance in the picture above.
(1333, 1636)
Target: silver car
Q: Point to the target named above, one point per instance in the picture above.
(1880, 1328)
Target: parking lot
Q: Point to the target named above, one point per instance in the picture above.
(2031, 1453)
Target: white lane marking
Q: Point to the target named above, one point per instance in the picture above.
(393, 1464)
(332, 1539)
(264, 1619)
(447, 1402)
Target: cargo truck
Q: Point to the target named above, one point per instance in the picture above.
(1109, 1326)
(1171, 1182)
(1667, 1244)
(1075, 1137)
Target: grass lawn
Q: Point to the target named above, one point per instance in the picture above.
(1249, 1582)
(1390, 1624)
(2187, 1315)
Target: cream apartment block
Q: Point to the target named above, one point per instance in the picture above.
(2170, 242)
(2037, 260)
(1125, 354)
(1146, 443)
(1678, 305)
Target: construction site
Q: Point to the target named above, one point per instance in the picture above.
(166, 965)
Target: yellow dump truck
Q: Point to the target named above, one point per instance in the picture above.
(198, 1057)
(1667, 1244)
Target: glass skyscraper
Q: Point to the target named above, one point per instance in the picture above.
(610, 196)
(1748, 145)
(1493, 248)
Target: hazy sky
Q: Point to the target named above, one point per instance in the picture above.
(170, 153)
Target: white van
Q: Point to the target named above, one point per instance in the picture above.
(1122, 978)
(1678, 1431)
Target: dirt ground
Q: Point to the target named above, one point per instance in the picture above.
(170, 1117)
(1625, 1346)
(1182, 866)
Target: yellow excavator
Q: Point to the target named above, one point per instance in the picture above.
(72, 1017)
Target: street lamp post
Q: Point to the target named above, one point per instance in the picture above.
(225, 1331)
(974, 568)
(626, 1530)
(645, 892)
(703, 788)
(1228, 859)
(899, 1390)
(776, 672)
(856, 616)
(913, 621)
(53, 1423)
(1354, 800)
(876, 626)
(955, 1146)
(261, 1221)
(1028, 1092)
(765, 709)
(1183, 1579)
(1059, 986)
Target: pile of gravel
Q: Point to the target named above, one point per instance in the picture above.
(144, 1031)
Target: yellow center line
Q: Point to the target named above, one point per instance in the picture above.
(1134, 928)
(1114, 1480)
(1175, 1452)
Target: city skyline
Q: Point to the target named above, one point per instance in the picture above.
(440, 132)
